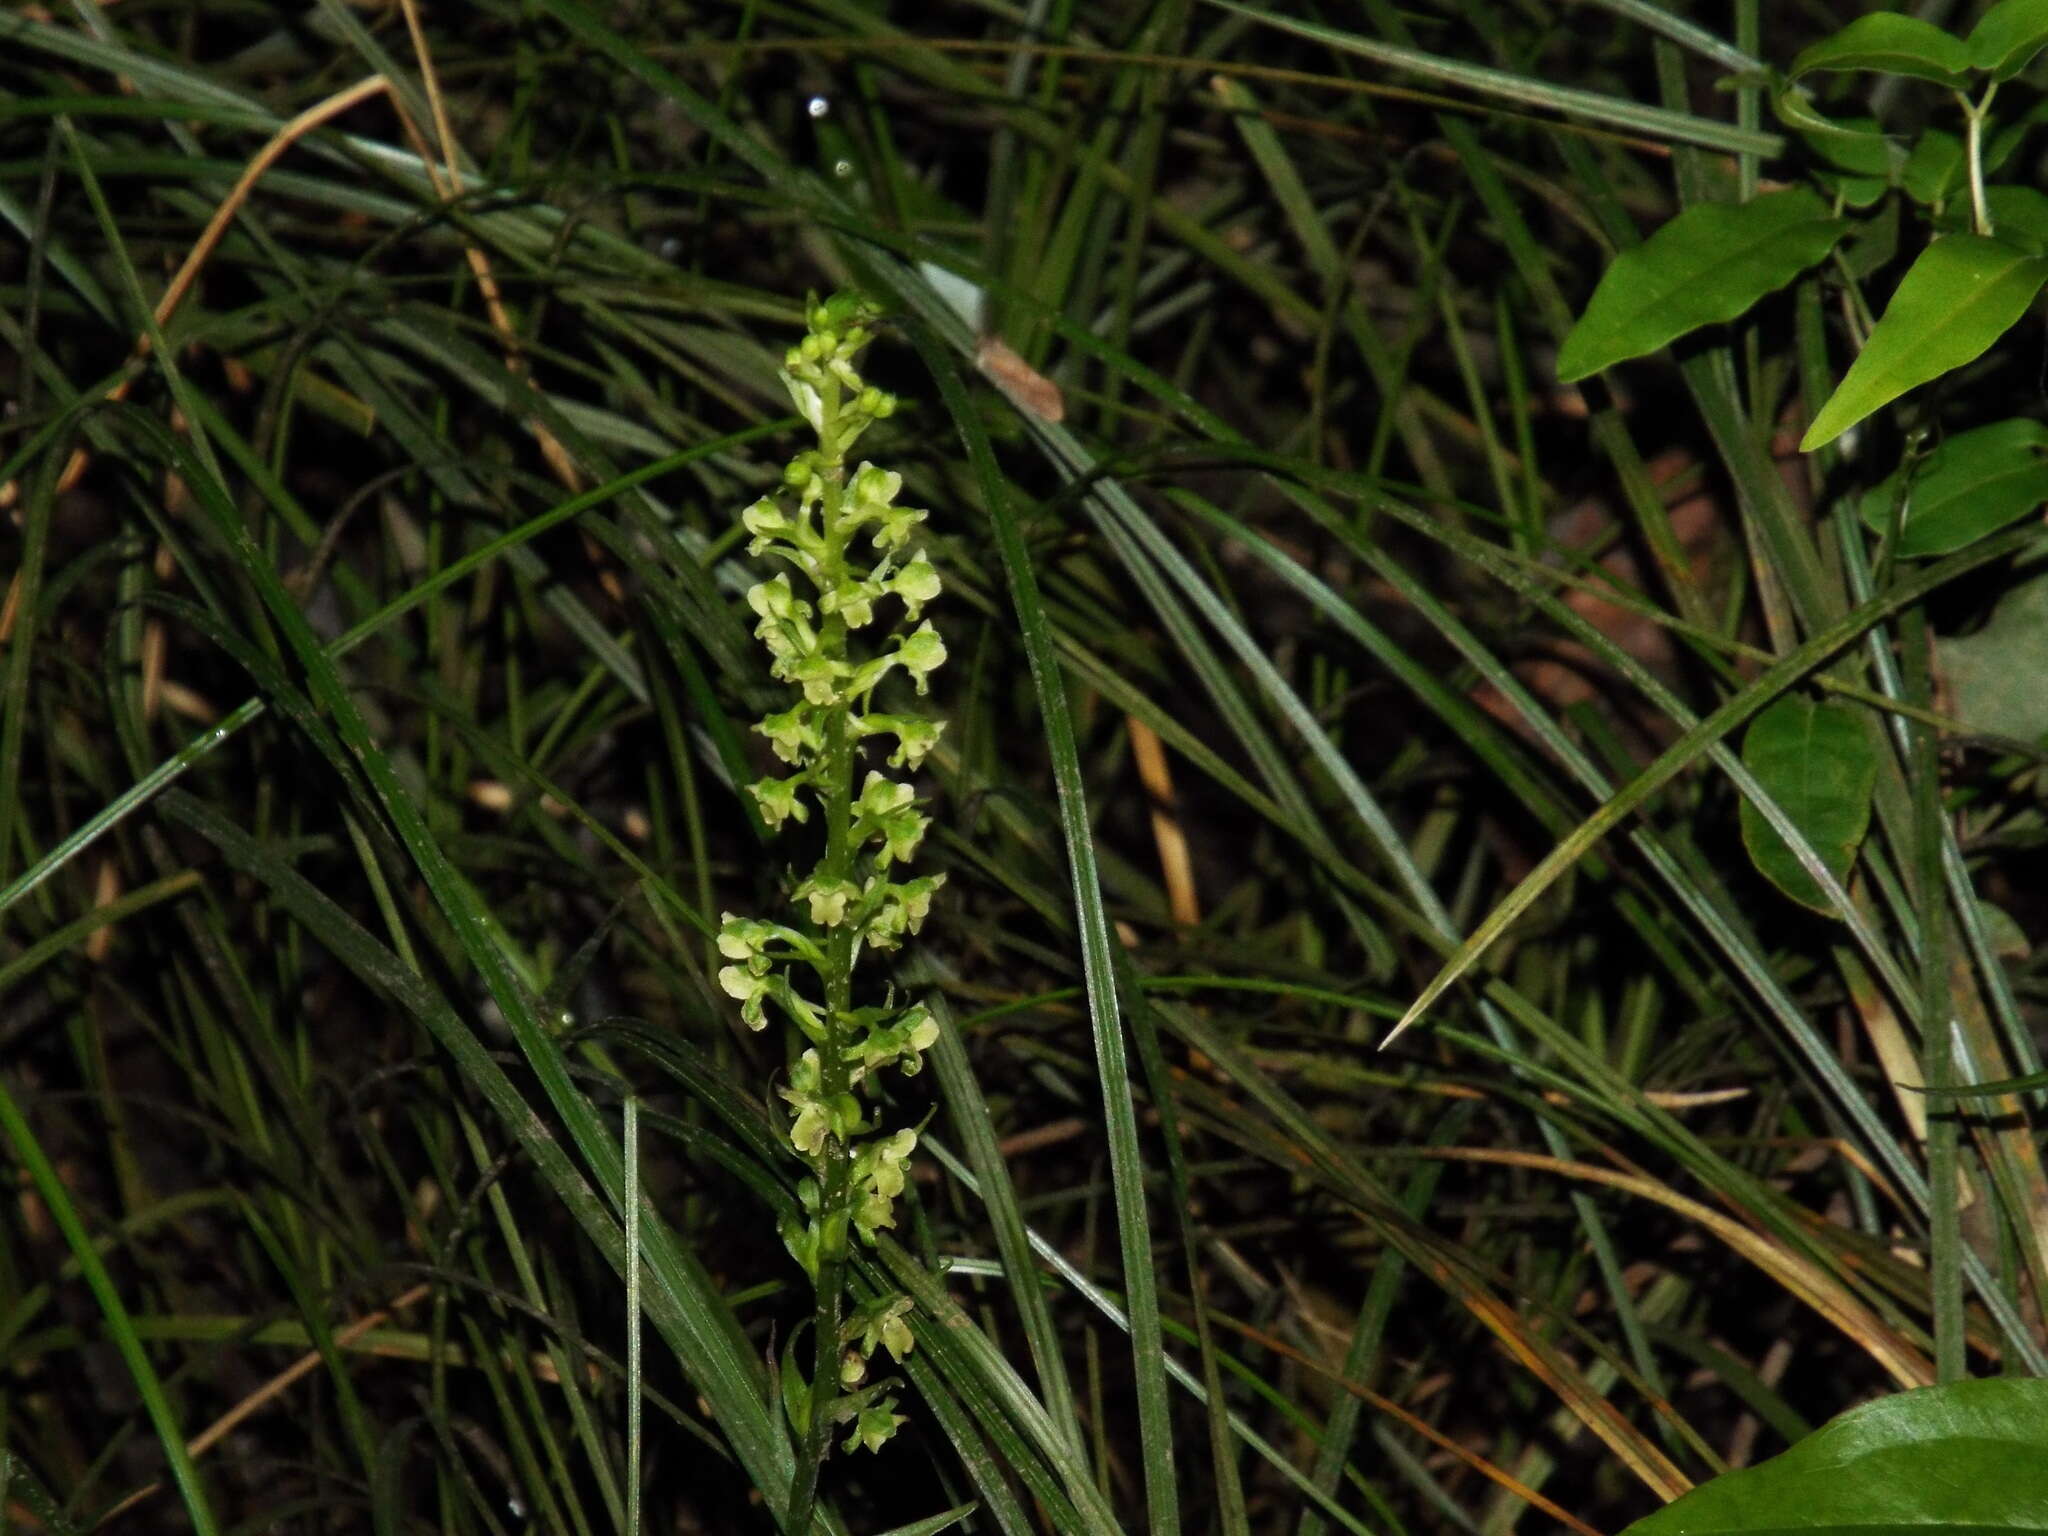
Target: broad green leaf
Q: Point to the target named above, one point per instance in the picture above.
(2020, 216)
(1709, 264)
(1970, 1457)
(1997, 678)
(1973, 484)
(1934, 170)
(1818, 762)
(2008, 37)
(1874, 245)
(1890, 43)
(1858, 192)
(1963, 293)
(2006, 142)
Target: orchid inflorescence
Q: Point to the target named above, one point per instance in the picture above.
(840, 531)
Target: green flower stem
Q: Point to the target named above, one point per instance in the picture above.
(835, 780)
(823, 528)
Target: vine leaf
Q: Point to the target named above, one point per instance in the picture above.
(1971, 1457)
(1709, 264)
(2007, 38)
(2021, 216)
(1858, 145)
(1890, 43)
(1934, 171)
(1975, 483)
(1818, 762)
(1963, 293)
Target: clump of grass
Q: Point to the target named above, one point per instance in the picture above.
(375, 752)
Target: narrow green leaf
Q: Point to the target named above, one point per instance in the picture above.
(1616, 111)
(118, 1321)
(2003, 1086)
(1126, 1158)
(1968, 1457)
(969, 1111)
(931, 1525)
(1785, 672)
(1963, 293)
(1819, 763)
(78, 929)
(18, 1480)
(1972, 485)
(1709, 264)
(2008, 36)
(1890, 43)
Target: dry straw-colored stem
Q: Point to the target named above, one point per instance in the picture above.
(1797, 1274)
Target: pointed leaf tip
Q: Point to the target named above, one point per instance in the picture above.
(1974, 484)
(1970, 1457)
(2008, 37)
(1890, 43)
(1707, 265)
(1963, 293)
(1818, 762)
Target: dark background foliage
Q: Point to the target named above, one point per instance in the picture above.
(376, 682)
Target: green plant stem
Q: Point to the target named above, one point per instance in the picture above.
(1973, 117)
(834, 783)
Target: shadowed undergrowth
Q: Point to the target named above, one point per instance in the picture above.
(384, 390)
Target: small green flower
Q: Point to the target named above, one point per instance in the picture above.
(776, 599)
(921, 653)
(880, 1324)
(828, 899)
(901, 910)
(882, 1164)
(875, 1427)
(793, 733)
(745, 938)
(916, 583)
(766, 522)
(901, 831)
(915, 736)
(873, 1213)
(751, 990)
(872, 493)
(870, 490)
(778, 801)
(911, 1036)
(879, 1171)
(820, 677)
(813, 1115)
(880, 796)
(854, 601)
